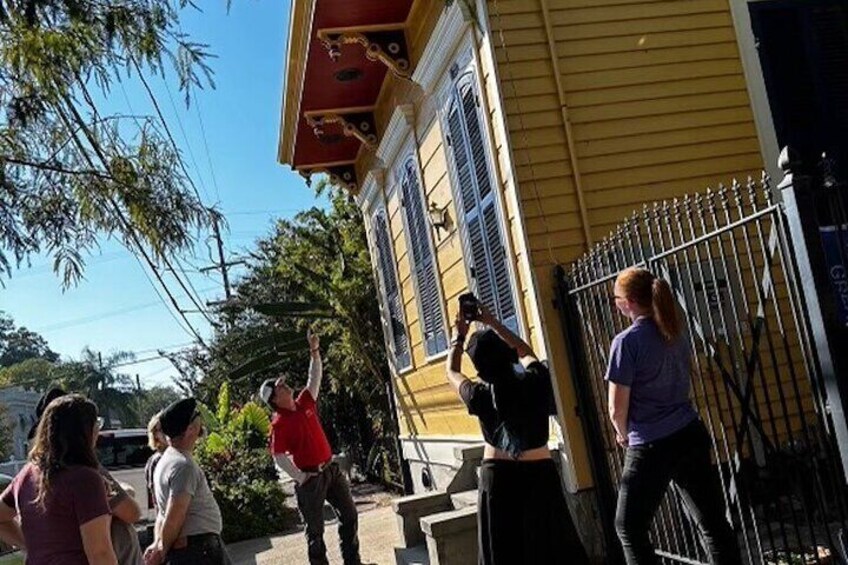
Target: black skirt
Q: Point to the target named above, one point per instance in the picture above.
(522, 516)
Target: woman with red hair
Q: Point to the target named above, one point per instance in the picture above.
(654, 419)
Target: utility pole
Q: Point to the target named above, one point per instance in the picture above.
(138, 400)
(223, 263)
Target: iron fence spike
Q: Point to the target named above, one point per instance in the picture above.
(736, 190)
(752, 191)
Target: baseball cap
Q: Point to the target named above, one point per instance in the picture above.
(266, 390)
(176, 418)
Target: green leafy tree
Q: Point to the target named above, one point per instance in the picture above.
(70, 171)
(18, 344)
(152, 400)
(34, 374)
(97, 377)
(5, 434)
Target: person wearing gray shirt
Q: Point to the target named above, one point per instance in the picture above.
(188, 519)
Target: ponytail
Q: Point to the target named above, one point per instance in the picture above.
(649, 291)
(664, 309)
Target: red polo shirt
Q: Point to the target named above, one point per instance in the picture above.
(299, 433)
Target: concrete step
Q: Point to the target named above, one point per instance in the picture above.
(464, 499)
(410, 509)
(412, 555)
(452, 536)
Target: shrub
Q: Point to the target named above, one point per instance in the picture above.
(241, 474)
(251, 499)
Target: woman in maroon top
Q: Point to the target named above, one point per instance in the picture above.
(60, 496)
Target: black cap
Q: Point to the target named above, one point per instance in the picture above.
(177, 416)
(492, 356)
(46, 399)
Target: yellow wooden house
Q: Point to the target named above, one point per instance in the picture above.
(488, 141)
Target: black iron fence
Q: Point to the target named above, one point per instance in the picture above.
(769, 395)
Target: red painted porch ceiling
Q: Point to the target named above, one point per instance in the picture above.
(321, 90)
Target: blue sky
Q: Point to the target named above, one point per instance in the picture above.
(115, 307)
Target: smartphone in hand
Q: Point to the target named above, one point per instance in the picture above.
(469, 307)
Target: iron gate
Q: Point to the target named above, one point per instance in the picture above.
(755, 375)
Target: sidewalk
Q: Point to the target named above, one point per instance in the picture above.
(378, 537)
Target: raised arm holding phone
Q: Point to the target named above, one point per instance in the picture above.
(300, 449)
(522, 515)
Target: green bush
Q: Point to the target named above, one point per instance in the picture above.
(252, 501)
(241, 474)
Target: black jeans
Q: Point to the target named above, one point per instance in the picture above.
(684, 458)
(205, 548)
(331, 486)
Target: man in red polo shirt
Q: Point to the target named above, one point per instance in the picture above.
(300, 449)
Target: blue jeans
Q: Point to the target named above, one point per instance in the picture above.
(684, 458)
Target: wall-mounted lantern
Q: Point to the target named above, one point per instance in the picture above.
(438, 217)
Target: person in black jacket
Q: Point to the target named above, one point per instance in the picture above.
(522, 516)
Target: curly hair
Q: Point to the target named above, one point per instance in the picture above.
(64, 437)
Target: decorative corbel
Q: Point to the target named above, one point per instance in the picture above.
(360, 125)
(387, 46)
(340, 175)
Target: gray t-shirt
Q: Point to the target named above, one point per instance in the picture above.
(176, 474)
(124, 536)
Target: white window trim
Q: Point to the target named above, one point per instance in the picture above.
(756, 84)
(438, 55)
(410, 152)
(365, 198)
(385, 316)
(467, 62)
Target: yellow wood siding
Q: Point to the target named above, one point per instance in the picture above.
(658, 107)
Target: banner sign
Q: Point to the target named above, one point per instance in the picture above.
(835, 242)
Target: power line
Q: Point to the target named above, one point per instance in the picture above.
(139, 361)
(164, 347)
(46, 269)
(128, 226)
(42, 381)
(263, 212)
(188, 328)
(158, 110)
(97, 317)
(189, 289)
(206, 145)
(195, 300)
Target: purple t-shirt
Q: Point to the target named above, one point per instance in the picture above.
(53, 536)
(657, 373)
